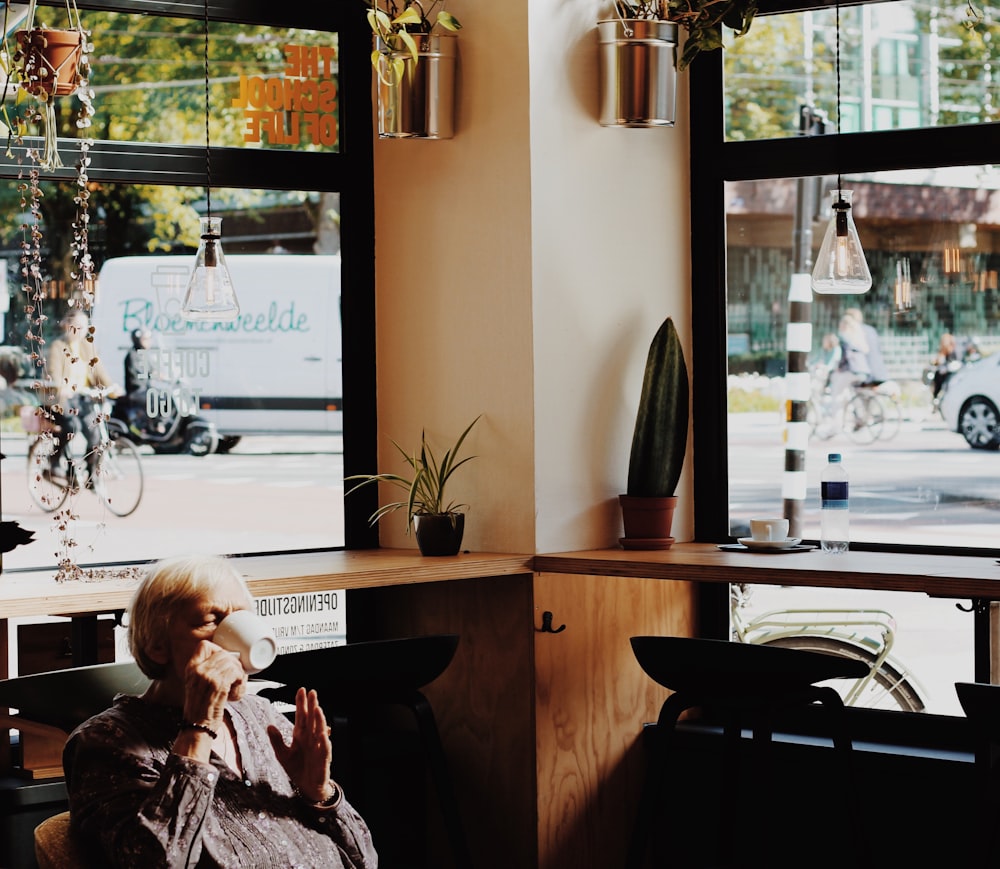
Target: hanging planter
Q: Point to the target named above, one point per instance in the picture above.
(50, 63)
(414, 62)
(49, 60)
(416, 93)
(638, 72)
(639, 53)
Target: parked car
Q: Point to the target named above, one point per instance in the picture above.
(971, 401)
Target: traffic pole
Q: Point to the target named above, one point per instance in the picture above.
(798, 340)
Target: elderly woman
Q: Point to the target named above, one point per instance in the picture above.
(196, 771)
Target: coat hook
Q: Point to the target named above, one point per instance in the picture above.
(546, 627)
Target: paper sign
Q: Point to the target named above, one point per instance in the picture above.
(306, 620)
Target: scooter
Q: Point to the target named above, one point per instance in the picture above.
(168, 421)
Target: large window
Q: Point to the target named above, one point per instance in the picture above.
(917, 93)
(288, 387)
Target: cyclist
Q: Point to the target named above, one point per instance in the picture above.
(74, 369)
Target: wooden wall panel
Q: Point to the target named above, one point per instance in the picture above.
(592, 699)
(482, 703)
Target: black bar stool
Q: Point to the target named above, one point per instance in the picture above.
(353, 681)
(747, 683)
(981, 704)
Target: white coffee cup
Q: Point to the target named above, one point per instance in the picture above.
(246, 633)
(769, 528)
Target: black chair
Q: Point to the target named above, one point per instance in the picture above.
(49, 706)
(357, 681)
(981, 704)
(52, 704)
(744, 683)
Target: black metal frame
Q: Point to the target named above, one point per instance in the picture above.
(349, 171)
(715, 161)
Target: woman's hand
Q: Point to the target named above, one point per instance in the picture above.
(212, 677)
(307, 759)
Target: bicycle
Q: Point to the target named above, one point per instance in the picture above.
(866, 412)
(117, 480)
(863, 635)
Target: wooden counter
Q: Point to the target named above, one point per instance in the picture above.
(36, 593)
(976, 577)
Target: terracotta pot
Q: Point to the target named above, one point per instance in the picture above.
(647, 522)
(439, 534)
(50, 62)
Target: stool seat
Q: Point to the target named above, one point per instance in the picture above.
(354, 680)
(737, 669)
(743, 681)
(358, 672)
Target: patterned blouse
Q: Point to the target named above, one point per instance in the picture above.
(142, 806)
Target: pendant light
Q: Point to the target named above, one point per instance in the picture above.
(840, 265)
(210, 294)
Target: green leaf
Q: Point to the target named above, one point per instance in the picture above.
(408, 16)
(448, 21)
(411, 45)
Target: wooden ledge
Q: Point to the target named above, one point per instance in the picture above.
(937, 575)
(35, 593)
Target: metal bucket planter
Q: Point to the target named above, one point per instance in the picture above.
(638, 72)
(420, 103)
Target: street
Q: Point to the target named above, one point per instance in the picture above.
(925, 486)
(268, 494)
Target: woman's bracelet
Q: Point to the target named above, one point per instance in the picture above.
(331, 802)
(201, 728)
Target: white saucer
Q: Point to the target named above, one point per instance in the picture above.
(787, 543)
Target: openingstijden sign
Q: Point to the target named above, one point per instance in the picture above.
(307, 620)
(298, 107)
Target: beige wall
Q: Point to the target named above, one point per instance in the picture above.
(521, 270)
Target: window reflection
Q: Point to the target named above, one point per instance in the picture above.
(903, 65)
(270, 382)
(917, 471)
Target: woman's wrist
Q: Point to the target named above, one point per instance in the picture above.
(329, 796)
(208, 727)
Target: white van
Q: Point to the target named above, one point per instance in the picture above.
(276, 368)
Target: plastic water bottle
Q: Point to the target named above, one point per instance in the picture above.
(835, 517)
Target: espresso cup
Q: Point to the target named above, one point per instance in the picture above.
(247, 634)
(767, 529)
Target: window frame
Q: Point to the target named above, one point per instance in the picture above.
(349, 171)
(715, 161)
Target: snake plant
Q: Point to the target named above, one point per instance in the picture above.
(661, 425)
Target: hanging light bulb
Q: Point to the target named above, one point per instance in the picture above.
(210, 294)
(841, 266)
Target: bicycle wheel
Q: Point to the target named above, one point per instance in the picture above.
(887, 689)
(45, 491)
(863, 419)
(821, 423)
(892, 416)
(118, 481)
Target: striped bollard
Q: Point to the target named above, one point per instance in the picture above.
(798, 342)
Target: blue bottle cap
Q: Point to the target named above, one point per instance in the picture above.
(834, 457)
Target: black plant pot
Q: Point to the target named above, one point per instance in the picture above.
(439, 533)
